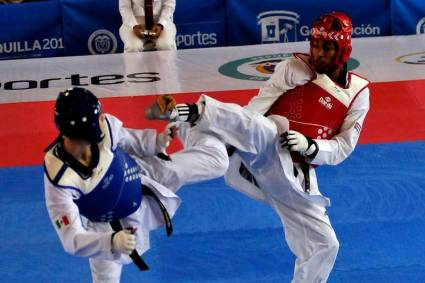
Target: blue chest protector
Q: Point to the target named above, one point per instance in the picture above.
(118, 193)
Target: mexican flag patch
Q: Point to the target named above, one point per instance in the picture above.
(62, 222)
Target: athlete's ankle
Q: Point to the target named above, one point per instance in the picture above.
(188, 112)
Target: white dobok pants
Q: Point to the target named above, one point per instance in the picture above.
(307, 227)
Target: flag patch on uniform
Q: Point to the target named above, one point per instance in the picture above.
(62, 222)
(358, 127)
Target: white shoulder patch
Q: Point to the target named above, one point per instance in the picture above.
(344, 95)
(52, 164)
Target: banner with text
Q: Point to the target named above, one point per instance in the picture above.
(200, 23)
(26, 32)
(254, 22)
(91, 27)
(82, 27)
(379, 59)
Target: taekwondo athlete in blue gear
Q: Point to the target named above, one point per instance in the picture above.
(91, 175)
(77, 117)
(105, 187)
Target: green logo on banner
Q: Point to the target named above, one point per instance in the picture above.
(260, 68)
(412, 58)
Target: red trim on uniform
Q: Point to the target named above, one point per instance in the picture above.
(355, 96)
(300, 56)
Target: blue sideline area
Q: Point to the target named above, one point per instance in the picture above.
(222, 236)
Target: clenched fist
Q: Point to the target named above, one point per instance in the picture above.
(123, 242)
(295, 141)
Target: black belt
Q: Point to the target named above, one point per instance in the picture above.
(244, 172)
(116, 226)
(135, 257)
(167, 220)
(305, 168)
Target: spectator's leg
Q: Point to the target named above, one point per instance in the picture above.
(167, 39)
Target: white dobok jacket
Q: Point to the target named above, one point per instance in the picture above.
(81, 207)
(330, 114)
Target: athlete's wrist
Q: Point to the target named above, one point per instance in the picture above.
(312, 148)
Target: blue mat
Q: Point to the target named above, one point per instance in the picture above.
(378, 212)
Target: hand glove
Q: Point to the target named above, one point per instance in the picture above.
(296, 141)
(123, 242)
(164, 138)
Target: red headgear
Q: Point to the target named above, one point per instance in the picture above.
(336, 27)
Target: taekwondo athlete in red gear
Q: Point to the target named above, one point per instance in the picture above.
(309, 113)
(103, 193)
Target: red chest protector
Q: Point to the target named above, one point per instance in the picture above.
(318, 108)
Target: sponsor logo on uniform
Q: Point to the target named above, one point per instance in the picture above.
(102, 41)
(326, 102)
(260, 68)
(107, 181)
(61, 222)
(412, 58)
(278, 26)
(420, 27)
